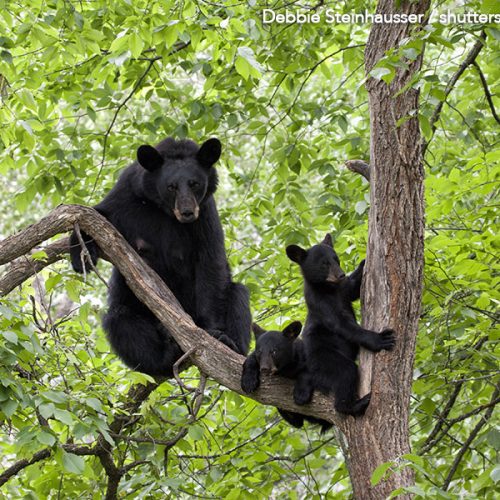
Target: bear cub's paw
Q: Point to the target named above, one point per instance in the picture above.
(388, 340)
(302, 395)
(249, 380)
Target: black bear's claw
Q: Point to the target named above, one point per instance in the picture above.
(250, 382)
(302, 396)
(388, 340)
(227, 341)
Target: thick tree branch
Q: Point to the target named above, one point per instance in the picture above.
(39, 456)
(25, 267)
(212, 357)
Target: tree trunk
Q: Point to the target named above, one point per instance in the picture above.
(392, 286)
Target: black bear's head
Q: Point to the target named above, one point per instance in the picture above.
(179, 176)
(274, 349)
(320, 264)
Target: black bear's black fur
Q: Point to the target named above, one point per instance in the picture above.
(163, 205)
(331, 334)
(279, 353)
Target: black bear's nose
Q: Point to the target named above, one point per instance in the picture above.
(187, 213)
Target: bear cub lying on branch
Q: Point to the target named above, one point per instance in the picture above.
(278, 353)
(331, 334)
(164, 207)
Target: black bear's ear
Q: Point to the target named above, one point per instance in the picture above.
(292, 331)
(149, 158)
(257, 330)
(328, 240)
(296, 253)
(209, 152)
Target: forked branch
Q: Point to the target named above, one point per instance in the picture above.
(212, 357)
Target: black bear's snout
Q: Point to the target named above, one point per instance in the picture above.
(186, 216)
(335, 275)
(186, 209)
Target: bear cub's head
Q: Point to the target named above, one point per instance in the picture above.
(320, 264)
(274, 349)
(179, 175)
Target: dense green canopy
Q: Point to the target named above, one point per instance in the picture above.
(83, 84)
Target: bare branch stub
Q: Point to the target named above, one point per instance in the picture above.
(360, 167)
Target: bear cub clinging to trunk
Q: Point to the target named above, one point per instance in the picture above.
(331, 335)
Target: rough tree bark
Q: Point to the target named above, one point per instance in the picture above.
(392, 287)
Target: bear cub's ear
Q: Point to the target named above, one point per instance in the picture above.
(257, 330)
(296, 253)
(209, 152)
(292, 331)
(149, 158)
(328, 240)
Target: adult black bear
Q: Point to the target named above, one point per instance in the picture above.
(331, 334)
(279, 353)
(164, 207)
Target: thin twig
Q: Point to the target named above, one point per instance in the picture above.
(136, 87)
(85, 255)
(470, 58)
(487, 92)
(176, 366)
(468, 442)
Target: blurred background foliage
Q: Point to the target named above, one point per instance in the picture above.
(83, 84)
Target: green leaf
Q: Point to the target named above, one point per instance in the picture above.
(242, 67)
(380, 72)
(46, 438)
(72, 463)
(136, 44)
(10, 336)
(63, 416)
(380, 472)
(8, 407)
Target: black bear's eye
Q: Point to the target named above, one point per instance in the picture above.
(193, 184)
(171, 188)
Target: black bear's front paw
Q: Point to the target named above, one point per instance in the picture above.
(216, 334)
(360, 406)
(384, 340)
(79, 260)
(250, 380)
(222, 337)
(387, 339)
(302, 394)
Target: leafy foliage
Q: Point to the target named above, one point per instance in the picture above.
(83, 84)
